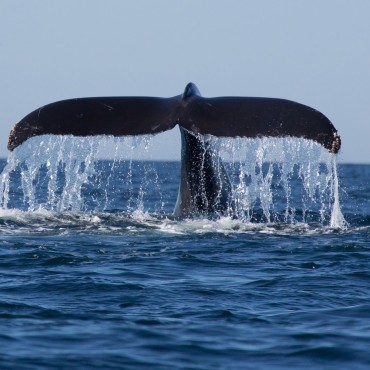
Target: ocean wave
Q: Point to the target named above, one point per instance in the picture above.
(41, 221)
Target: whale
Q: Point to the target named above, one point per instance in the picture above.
(205, 188)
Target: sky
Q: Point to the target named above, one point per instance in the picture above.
(311, 51)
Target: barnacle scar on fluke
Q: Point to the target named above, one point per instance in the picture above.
(196, 116)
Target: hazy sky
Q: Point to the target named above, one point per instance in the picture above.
(312, 51)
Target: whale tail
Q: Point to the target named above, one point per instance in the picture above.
(205, 188)
(221, 116)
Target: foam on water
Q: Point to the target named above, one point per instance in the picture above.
(291, 181)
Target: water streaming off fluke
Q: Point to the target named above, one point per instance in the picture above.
(274, 180)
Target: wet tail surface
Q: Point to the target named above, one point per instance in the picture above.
(221, 116)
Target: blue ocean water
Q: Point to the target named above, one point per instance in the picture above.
(96, 274)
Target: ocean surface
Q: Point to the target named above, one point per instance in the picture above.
(96, 274)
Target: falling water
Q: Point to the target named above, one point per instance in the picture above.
(285, 180)
(56, 172)
(274, 180)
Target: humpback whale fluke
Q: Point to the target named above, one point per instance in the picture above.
(221, 116)
(205, 188)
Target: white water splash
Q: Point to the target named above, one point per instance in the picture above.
(274, 180)
(67, 164)
(270, 171)
(337, 220)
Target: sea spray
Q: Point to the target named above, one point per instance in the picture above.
(283, 180)
(337, 219)
(61, 173)
(268, 176)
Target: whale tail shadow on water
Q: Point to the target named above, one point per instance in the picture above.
(205, 188)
